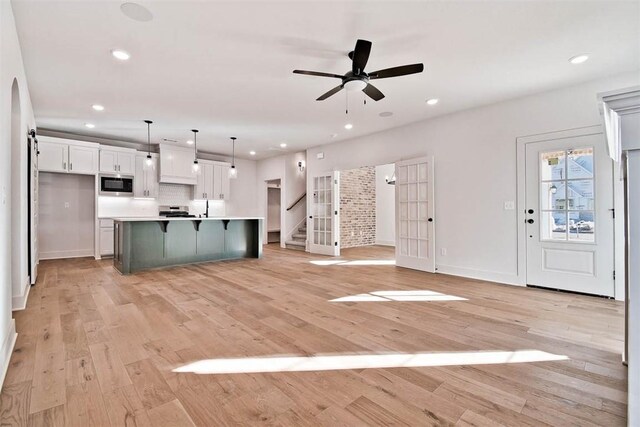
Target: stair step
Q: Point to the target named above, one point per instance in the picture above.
(302, 230)
(292, 244)
(299, 236)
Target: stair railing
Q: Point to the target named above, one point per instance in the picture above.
(298, 200)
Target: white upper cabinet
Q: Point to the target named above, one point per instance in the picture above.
(145, 184)
(176, 165)
(212, 182)
(222, 180)
(53, 157)
(67, 156)
(117, 160)
(83, 159)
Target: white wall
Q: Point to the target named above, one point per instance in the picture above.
(385, 206)
(11, 67)
(475, 169)
(243, 189)
(66, 211)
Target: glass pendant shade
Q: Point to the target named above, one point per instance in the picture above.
(148, 162)
(233, 172)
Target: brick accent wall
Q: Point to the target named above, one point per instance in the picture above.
(358, 207)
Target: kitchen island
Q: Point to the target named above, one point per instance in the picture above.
(145, 243)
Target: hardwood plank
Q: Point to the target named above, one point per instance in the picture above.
(93, 342)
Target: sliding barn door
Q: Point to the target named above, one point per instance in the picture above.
(323, 226)
(415, 243)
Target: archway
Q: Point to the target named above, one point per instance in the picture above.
(17, 231)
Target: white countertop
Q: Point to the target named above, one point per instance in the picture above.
(164, 218)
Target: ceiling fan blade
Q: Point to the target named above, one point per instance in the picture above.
(361, 56)
(317, 73)
(373, 92)
(403, 70)
(330, 93)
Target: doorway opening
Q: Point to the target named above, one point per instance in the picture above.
(274, 207)
(367, 209)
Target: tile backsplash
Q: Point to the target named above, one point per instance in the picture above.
(168, 194)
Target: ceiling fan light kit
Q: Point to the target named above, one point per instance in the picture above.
(357, 79)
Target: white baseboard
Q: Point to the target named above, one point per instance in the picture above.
(490, 276)
(6, 350)
(20, 302)
(81, 253)
(386, 242)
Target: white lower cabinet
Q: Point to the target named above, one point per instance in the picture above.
(106, 237)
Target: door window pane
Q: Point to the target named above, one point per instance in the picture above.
(580, 163)
(553, 225)
(581, 226)
(552, 195)
(580, 195)
(552, 165)
(567, 195)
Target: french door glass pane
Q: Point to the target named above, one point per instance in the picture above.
(423, 172)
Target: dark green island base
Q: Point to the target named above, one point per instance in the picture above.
(142, 244)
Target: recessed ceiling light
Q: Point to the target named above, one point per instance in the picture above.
(190, 141)
(348, 126)
(386, 114)
(283, 145)
(89, 125)
(579, 59)
(253, 153)
(97, 107)
(136, 12)
(120, 54)
(432, 101)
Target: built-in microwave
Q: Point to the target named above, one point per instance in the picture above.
(111, 185)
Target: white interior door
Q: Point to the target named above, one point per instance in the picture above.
(415, 242)
(323, 226)
(568, 218)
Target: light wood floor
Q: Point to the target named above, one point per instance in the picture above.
(96, 348)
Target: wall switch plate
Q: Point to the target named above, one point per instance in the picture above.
(443, 251)
(66, 205)
(509, 205)
(320, 156)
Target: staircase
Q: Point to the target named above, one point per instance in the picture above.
(298, 240)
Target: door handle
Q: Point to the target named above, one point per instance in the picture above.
(430, 220)
(530, 211)
(530, 221)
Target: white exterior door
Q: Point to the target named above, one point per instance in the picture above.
(568, 215)
(323, 221)
(415, 242)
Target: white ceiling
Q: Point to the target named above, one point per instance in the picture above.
(226, 67)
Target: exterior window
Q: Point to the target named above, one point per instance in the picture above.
(567, 200)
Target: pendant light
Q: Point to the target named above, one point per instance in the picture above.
(196, 166)
(148, 161)
(233, 172)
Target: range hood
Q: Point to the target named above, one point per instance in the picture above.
(176, 165)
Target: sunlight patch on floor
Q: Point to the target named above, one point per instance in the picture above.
(415, 295)
(354, 262)
(364, 361)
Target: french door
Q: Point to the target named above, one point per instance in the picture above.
(415, 243)
(324, 222)
(568, 219)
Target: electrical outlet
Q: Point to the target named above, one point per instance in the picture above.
(443, 251)
(509, 205)
(66, 205)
